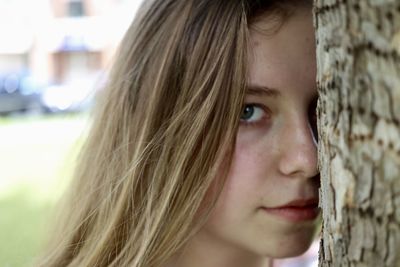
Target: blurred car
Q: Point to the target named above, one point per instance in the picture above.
(73, 97)
(19, 92)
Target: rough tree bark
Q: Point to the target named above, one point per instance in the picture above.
(358, 58)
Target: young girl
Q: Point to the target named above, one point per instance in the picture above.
(202, 150)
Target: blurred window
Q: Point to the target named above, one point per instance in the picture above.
(11, 83)
(76, 8)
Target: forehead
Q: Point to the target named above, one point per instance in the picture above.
(285, 58)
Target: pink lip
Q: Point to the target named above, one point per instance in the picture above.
(301, 203)
(296, 210)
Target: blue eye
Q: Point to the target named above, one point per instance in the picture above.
(252, 113)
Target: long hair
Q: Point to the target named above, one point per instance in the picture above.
(162, 135)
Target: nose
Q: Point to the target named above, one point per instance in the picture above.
(299, 156)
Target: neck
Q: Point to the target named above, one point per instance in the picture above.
(203, 251)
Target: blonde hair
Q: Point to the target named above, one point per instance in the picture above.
(162, 130)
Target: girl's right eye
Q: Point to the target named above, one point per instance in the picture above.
(253, 114)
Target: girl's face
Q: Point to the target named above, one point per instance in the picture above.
(275, 159)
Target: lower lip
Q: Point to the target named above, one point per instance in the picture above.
(295, 214)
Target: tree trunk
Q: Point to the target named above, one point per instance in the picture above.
(358, 59)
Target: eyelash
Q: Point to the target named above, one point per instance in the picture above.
(260, 121)
(267, 114)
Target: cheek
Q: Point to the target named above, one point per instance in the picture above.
(251, 163)
(248, 183)
(245, 179)
(253, 177)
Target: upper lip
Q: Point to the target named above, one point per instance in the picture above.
(301, 202)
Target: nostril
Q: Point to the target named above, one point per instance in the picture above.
(317, 180)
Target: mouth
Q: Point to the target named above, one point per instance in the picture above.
(296, 211)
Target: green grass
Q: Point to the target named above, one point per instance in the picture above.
(37, 158)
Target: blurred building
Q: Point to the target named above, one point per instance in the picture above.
(60, 41)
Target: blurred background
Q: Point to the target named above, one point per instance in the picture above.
(54, 56)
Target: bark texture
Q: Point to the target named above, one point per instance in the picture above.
(358, 58)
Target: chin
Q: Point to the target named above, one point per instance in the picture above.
(297, 243)
(290, 246)
(291, 252)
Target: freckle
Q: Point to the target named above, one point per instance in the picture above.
(362, 137)
(374, 116)
(380, 142)
(389, 16)
(385, 55)
(350, 143)
(391, 146)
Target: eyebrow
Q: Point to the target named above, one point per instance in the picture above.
(262, 91)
